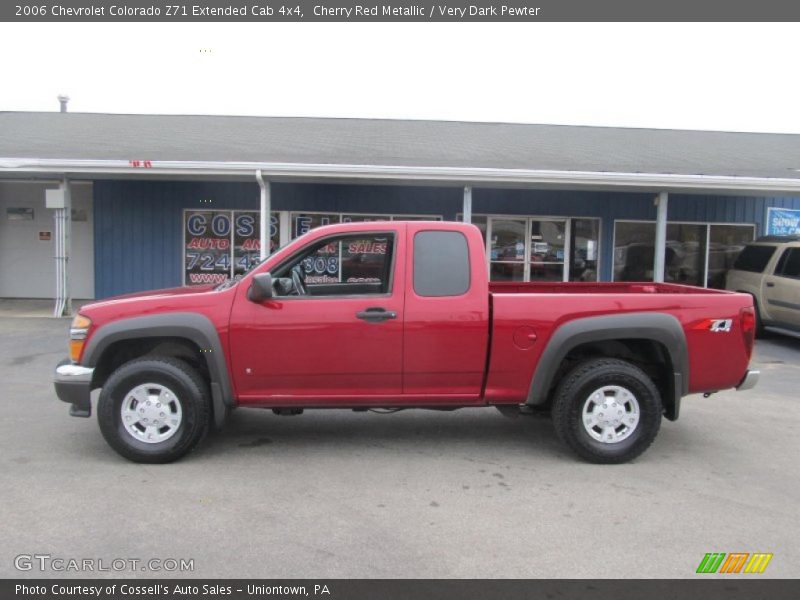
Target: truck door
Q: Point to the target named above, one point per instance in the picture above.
(334, 327)
(446, 314)
(782, 290)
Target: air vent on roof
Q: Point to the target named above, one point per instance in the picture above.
(63, 99)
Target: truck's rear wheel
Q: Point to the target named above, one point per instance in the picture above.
(154, 410)
(607, 410)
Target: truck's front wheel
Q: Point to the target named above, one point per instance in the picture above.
(607, 410)
(154, 410)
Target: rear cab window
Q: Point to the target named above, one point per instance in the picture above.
(441, 263)
(754, 258)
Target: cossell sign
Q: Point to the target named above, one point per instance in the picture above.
(221, 244)
(735, 562)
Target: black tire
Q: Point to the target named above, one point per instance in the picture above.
(188, 390)
(573, 394)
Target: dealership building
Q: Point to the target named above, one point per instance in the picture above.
(95, 205)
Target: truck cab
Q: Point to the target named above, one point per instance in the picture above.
(386, 312)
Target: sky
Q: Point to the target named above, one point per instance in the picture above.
(730, 77)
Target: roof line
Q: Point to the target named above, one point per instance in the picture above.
(404, 120)
(456, 175)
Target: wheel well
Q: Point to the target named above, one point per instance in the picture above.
(649, 355)
(124, 351)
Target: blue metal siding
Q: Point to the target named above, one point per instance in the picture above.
(726, 209)
(139, 229)
(411, 200)
(139, 226)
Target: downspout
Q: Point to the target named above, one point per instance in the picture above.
(265, 210)
(62, 203)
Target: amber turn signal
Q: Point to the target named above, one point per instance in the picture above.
(77, 336)
(75, 349)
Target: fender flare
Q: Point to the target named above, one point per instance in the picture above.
(195, 327)
(658, 327)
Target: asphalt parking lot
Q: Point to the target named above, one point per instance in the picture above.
(336, 494)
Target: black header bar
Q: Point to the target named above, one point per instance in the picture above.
(180, 11)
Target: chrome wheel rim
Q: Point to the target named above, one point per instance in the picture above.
(151, 413)
(610, 414)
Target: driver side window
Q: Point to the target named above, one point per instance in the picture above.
(358, 264)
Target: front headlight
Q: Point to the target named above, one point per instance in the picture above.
(77, 336)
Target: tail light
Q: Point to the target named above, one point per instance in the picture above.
(747, 320)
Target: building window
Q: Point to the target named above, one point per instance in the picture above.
(686, 254)
(633, 251)
(547, 250)
(523, 248)
(507, 250)
(696, 253)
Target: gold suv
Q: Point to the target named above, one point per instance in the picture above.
(769, 270)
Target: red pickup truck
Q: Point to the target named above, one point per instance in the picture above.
(402, 315)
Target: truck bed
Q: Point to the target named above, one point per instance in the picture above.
(540, 309)
(588, 287)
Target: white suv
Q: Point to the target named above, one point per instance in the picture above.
(769, 270)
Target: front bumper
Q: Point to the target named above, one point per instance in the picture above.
(73, 385)
(749, 381)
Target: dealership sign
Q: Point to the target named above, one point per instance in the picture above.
(221, 244)
(783, 221)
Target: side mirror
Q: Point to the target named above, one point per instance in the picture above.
(260, 288)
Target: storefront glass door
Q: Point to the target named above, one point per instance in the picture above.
(527, 249)
(507, 249)
(548, 249)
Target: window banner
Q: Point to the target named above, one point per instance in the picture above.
(207, 252)
(783, 221)
(247, 239)
(223, 244)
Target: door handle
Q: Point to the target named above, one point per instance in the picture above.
(770, 284)
(376, 314)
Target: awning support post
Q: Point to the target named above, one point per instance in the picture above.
(467, 210)
(660, 254)
(265, 212)
(61, 201)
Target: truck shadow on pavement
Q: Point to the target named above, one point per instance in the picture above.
(421, 431)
